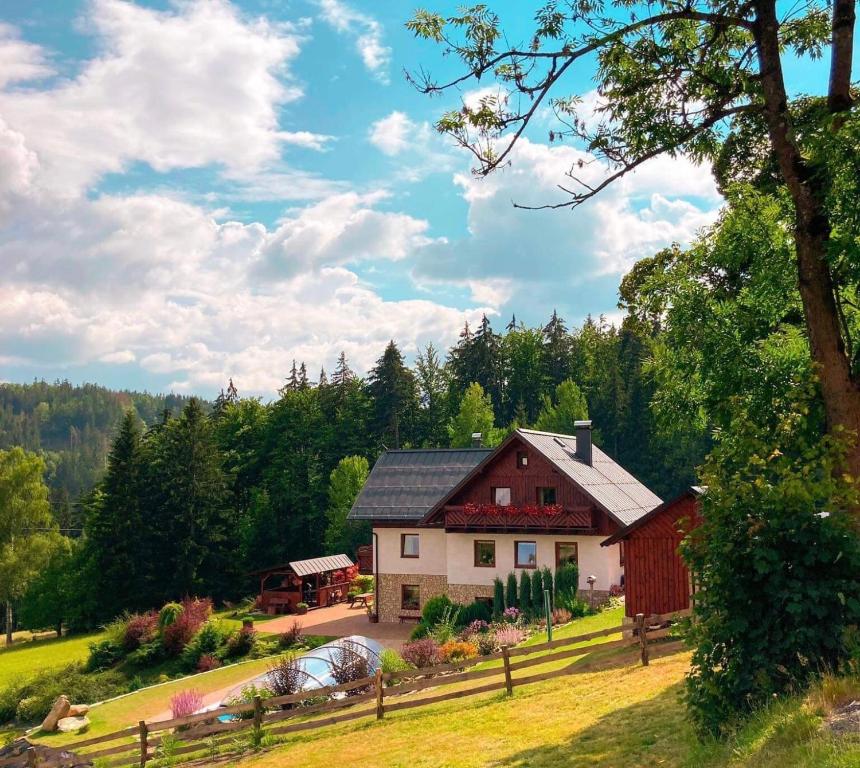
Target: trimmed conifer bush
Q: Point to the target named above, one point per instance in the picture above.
(498, 598)
(525, 593)
(547, 584)
(511, 591)
(567, 586)
(537, 593)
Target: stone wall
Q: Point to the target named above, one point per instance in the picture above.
(390, 594)
(466, 593)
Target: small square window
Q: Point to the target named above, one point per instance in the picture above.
(546, 496)
(485, 554)
(525, 554)
(502, 496)
(409, 545)
(410, 597)
(522, 459)
(565, 552)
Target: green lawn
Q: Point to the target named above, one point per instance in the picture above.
(19, 662)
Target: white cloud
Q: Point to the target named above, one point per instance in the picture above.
(20, 61)
(365, 30)
(553, 251)
(392, 134)
(342, 229)
(193, 86)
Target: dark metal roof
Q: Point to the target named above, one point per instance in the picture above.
(405, 485)
(307, 567)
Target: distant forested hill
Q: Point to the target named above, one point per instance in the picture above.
(72, 426)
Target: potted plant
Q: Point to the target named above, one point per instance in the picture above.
(301, 608)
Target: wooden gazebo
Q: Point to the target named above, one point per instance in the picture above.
(319, 582)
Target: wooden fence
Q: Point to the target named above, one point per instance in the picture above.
(197, 735)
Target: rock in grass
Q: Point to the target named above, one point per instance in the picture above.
(58, 712)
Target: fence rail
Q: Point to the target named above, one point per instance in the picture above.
(199, 733)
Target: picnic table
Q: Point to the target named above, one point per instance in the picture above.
(362, 599)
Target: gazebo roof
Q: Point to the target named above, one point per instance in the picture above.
(313, 565)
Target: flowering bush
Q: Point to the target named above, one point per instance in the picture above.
(509, 635)
(291, 636)
(193, 615)
(485, 642)
(140, 628)
(512, 615)
(207, 662)
(457, 650)
(185, 703)
(616, 590)
(477, 626)
(421, 653)
(241, 643)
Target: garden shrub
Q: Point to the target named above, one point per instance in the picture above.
(419, 631)
(169, 613)
(184, 703)
(141, 628)
(147, 655)
(208, 662)
(778, 564)
(511, 615)
(476, 611)
(509, 635)
(561, 616)
(498, 597)
(184, 626)
(525, 601)
(567, 587)
(546, 578)
(391, 661)
(446, 628)
(32, 700)
(434, 610)
(362, 583)
(207, 640)
(537, 593)
(421, 653)
(242, 642)
(485, 642)
(457, 650)
(286, 677)
(349, 663)
(511, 591)
(104, 654)
(292, 636)
(247, 696)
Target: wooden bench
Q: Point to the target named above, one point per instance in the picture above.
(405, 618)
(361, 599)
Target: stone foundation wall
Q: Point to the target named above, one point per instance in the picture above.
(390, 593)
(466, 593)
(601, 596)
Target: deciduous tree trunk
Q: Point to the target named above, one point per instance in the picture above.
(839, 389)
(8, 623)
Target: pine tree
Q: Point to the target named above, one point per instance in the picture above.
(292, 383)
(342, 372)
(475, 415)
(557, 351)
(478, 358)
(323, 382)
(225, 399)
(392, 388)
(433, 400)
(304, 383)
(115, 526)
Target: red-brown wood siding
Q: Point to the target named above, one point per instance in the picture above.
(655, 578)
(503, 472)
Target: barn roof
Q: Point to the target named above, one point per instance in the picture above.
(406, 484)
(693, 491)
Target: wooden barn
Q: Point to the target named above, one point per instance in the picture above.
(656, 581)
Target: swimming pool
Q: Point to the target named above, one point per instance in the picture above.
(317, 664)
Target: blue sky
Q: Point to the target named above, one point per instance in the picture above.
(204, 189)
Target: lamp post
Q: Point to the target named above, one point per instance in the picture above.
(591, 581)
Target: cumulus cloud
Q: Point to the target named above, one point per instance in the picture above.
(19, 60)
(192, 86)
(392, 134)
(667, 200)
(365, 31)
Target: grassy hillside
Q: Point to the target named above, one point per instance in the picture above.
(19, 662)
(613, 718)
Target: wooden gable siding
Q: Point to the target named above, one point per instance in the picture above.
(655, 577)
(502, 472)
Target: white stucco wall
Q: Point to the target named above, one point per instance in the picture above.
(601, 562)
(431, 546)
(452, 555)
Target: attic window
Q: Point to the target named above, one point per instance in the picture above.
(522, 459)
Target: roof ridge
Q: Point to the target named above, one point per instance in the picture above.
(547, 434)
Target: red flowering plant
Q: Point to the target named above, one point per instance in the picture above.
(532, 510)
(553, 509)
(471, 509)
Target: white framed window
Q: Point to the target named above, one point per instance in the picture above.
(502, 496)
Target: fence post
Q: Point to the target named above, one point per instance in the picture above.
(144, 746)
(258, 713)
(643, 637)
(509, 684)
(380, 709)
